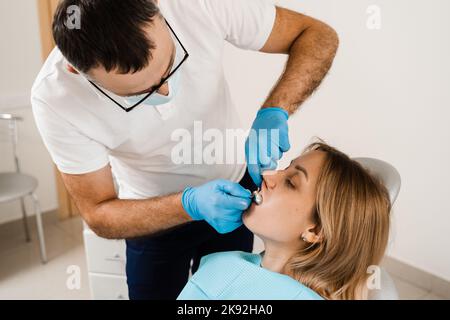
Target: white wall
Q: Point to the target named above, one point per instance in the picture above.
(20, 61)
(388, 97)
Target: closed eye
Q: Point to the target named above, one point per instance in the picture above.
(289, 184)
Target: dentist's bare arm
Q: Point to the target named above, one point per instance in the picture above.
(311, 46)
(112, 218)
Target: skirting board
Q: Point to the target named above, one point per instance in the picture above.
(417, 277)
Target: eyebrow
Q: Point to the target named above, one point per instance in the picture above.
(172, 61)
(301, 169)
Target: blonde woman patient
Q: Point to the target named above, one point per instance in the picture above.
(324, 220)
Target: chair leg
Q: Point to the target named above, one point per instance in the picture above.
(37, 210)
(25, 221)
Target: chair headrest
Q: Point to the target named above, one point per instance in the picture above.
(384, 171)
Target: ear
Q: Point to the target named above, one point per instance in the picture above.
(72, 69)
(312, 235)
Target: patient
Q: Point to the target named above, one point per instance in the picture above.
(324, 220)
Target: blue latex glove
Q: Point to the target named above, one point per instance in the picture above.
(263, 148)
(219, 202)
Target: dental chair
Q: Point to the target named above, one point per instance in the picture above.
(390, 177)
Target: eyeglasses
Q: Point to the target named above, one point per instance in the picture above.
(163, 81)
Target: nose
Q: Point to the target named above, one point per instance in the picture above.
(164, 89)
(270, 178)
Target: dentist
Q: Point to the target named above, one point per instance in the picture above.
(127, 76)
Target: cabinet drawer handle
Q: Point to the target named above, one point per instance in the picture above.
(116, 257)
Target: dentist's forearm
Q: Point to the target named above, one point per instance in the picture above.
(310, 58)
(122, 219)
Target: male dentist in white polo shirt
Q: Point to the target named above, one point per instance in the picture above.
(124, 78)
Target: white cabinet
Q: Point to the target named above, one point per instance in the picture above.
(104, 256)
(106, 267)
(108, 287)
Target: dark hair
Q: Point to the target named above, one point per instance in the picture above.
(110, 35)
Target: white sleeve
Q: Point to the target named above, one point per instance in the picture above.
(71, 151)
(247, 24)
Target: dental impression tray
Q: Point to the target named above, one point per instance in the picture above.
(257, 197)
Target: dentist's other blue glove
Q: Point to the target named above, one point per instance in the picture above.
(219, 202)
(264, 147)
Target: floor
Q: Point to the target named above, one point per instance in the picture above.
(22, 276)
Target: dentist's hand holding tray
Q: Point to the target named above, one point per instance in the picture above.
(219, 202)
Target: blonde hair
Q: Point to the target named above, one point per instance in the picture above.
(352, 216)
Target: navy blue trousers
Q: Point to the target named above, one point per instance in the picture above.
(158, 266)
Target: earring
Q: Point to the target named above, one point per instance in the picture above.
(304, 238)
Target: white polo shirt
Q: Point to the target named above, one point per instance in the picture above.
(84, 131)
